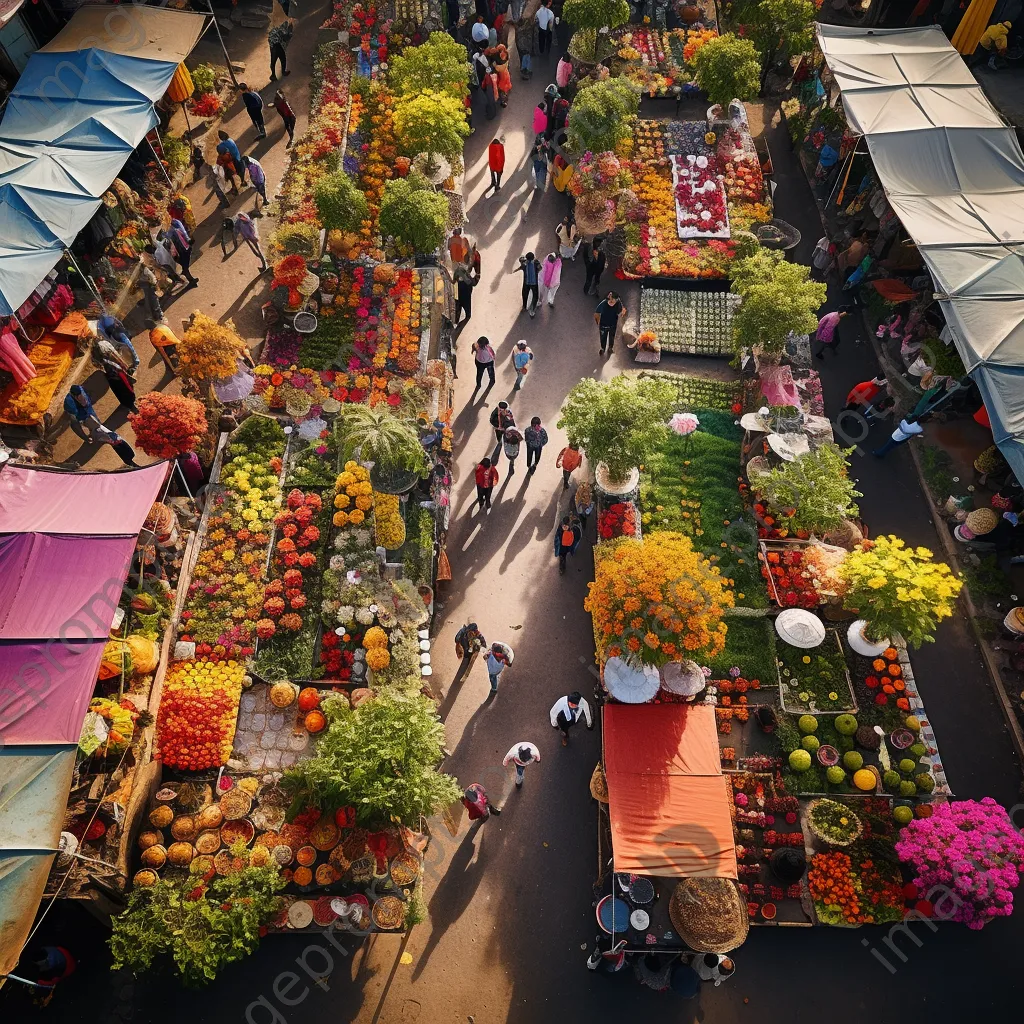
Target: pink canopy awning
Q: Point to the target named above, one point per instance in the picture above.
(59, 586)
(100, 504)
(45, 689)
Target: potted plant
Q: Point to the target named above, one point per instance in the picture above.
(391, 444)
(728, 68)
(618, 423)
(897, 590)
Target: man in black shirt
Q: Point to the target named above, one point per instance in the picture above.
(609, 312)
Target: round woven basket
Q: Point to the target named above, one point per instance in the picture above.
(599, 784)
(709, 914)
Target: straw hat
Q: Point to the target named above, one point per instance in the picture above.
(709, 914)
(982, 521)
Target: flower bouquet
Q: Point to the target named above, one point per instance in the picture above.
(618, 520)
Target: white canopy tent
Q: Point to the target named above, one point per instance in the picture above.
(953, 173)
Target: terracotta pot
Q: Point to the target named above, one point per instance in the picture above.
(689, 14)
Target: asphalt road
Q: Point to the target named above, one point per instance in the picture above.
(510, 902)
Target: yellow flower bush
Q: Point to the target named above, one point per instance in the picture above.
(897, 589)
(389, 524)
(209, 350)
(657, 600)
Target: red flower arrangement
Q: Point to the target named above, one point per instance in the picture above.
(284, 597)
(168, 425)
(618, 520)
(789, 584)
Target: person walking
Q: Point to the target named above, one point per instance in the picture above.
(198, 162)
(254, 108)
(82, 416)
(258, 177)
(827, 334)
(244, 227)
(125, 452)
(522, 356)
(284, 108)
(521, 754)
(116, 333)
(473, 260)
(229, 156)
(119, 382)
(569, 459)
(489, 87)
(903, 433)
(465, 282)
(545, 18)
(501, 419)
(458, 247)
(511, 441)
(568, 534)
(148, 283)
(583, 503)
(181, 247)
(563, 73)
(526, 37)
(609, 312)
(477, 804)
(483, 356)
(497, 659)
(162, 257)
(496, 163)
(569, 238)
(567, 711)
(480, 33)
(216, 179)
(499, 59)
(540, 164)
(529, 267)
(279, 37)
(469, 642)
(536, 437)
(862, 397)
(550, 278)
(486, 478)
(593, 259)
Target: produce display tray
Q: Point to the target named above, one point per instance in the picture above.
(689, 322)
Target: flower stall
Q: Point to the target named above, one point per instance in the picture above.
(659, 61)
(689, 322)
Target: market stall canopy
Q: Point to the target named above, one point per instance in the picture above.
(82, 104)
(65, 544)
(669, 804)
(953, 173)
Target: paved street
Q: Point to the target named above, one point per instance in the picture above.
(510, 902)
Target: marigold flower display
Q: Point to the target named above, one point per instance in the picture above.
(168, 425)
(209, 350)
(657, 600)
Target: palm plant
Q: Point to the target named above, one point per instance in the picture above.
(391, 443)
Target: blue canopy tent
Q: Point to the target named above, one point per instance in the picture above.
(83, 103)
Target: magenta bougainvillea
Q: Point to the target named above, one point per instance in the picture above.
(968, 858)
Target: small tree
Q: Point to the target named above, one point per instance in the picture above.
(603, 116)
(814, 493)
(657, 600)
(377, 435)
(728, 68)
(414, 213)
(438, 65)
(433, 123)
(778, 28)
(779, 298)
(339, 203)
(595, 15)
(618, 422)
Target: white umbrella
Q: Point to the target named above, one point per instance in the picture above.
(685, 678)
(800, 628)
(628, 684)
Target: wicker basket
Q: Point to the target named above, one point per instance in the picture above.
(709, 914)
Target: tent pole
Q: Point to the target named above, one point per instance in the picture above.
(844, 178)
(87, 280)
(188, 124)
(220, 38)
(159, 162)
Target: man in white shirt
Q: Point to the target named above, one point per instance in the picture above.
(480, 30)
(545, 23)
(522, 754)
(567, 711)
(903, 433)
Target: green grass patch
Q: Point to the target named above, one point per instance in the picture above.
(937, 470)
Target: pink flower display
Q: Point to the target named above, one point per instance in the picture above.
(967, 857)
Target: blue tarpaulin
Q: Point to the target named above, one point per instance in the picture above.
(83, 103)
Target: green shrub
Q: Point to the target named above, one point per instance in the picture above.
(907, 788)
(891, 781)
(902, 815)
(800, 760)
(918, 750)
(810, 743)
(907, 766)
(835, 775)
(807, 724)
(852, 761)
(845, 743)
(925, 782)
(846, 725)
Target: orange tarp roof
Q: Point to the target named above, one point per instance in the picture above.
(669, 803)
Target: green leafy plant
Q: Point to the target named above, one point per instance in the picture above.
(412, 212)
(301, 239)
(339, 203)
(204, 78)
(594, 15)
(618, 422)
(814, 493)
(438, 65)
(202, 923)
(177, 153)
(778, 28)
(380, 437)
(834, 823)
(603, 115)
(728, 68)
(779, 298)
(814, 679)
(432, 123)
(380, 758)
